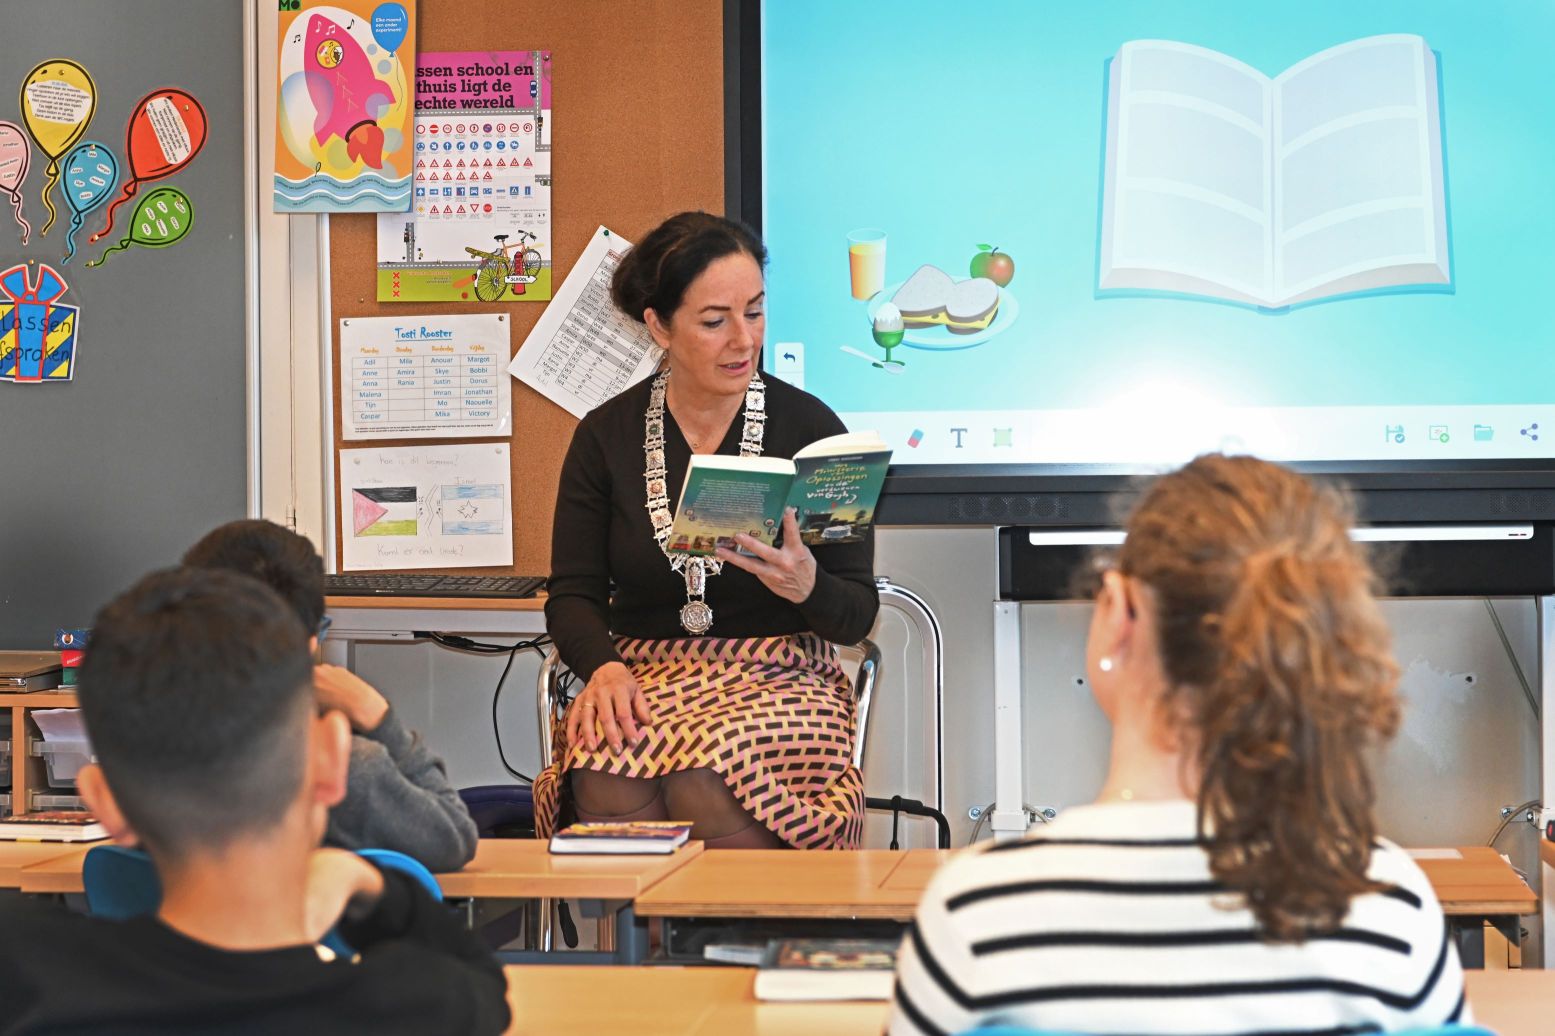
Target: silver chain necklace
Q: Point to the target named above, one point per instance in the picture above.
(696, 618)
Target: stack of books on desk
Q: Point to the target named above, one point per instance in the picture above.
(827, 969)
(60, 826)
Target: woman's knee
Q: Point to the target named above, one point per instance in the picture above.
(702, 797)
(608, 794)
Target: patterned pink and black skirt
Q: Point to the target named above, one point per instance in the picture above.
(772, 715)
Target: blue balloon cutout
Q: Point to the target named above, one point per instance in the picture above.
(389, 25)
(91, 172)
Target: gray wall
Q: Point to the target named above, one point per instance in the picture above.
(121, 469)
(1469, 743)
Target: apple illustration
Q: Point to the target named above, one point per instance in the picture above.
(995, 265)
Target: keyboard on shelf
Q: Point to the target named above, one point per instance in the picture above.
(388, 584)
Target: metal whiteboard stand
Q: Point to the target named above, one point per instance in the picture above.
(1027, 572)
(1546, 618)
(932, 640)
(1009, 812)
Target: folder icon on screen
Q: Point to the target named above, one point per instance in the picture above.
(1484, 433)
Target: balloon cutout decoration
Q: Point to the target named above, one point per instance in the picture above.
(91, 172)
(14, 158)
(390, 22)
(161, 218)
(166, 131)
(58, 99)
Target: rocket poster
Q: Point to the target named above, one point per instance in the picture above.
(343, 113)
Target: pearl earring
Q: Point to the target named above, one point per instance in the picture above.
(1104, 663)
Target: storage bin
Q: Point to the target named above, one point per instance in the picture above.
(43, 803)
(64, 760)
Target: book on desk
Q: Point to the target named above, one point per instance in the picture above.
(827, 969)
(643, 837)
(57, 826)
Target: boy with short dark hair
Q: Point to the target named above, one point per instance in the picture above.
(398, 796)
(198, 698)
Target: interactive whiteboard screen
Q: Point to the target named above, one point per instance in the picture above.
(1020, 232)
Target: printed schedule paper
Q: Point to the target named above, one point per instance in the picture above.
(582, 350)
(424, 377)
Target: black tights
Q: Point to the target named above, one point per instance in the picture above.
(699, 795)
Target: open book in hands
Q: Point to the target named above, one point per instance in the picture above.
(833, 484)
(1326, 180)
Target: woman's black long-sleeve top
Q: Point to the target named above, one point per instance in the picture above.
(602, 536)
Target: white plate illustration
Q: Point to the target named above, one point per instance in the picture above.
(938, 338)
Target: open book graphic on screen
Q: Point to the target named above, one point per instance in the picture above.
(1326, 180)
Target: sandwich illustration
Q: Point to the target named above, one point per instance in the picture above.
(930, 298)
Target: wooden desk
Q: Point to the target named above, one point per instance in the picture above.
(777, 883)
(581, 1001)
(474, 604)
(59, 873)
(503, 868)
(1479, 883)
(377, 619)
(568, 1001)
(1474, 886)
(1512, 1003)
(17, 856)
(523, 868)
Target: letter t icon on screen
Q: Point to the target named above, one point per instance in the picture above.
(958, 433)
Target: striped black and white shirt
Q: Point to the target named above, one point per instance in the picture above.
(1108, 920)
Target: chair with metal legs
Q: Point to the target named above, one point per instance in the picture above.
(552, 703)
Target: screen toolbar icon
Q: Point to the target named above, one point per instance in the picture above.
(1438, 433)
(1393, 433)
(1484, 433)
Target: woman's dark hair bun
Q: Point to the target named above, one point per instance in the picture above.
(656, 273)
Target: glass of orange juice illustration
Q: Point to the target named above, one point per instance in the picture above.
(866, 261)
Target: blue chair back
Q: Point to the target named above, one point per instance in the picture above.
(387, 859)
(120, 883)
(493, 806)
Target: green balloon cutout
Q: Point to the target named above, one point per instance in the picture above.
(162, 218)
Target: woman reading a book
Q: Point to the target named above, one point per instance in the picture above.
(1229, 877)
(712, 693)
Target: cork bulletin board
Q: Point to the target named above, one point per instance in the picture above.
(638, 135)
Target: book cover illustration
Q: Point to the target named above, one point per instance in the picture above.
(55, 818)
(646, 830)
(835, 954)
(716, 500)
(835, 497)
(1325, 181)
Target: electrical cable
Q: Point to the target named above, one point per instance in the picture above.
(1513, 815)
(457, 643)
(1506, 644)
(1031, 812)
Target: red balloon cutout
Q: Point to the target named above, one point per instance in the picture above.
(166, 131)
